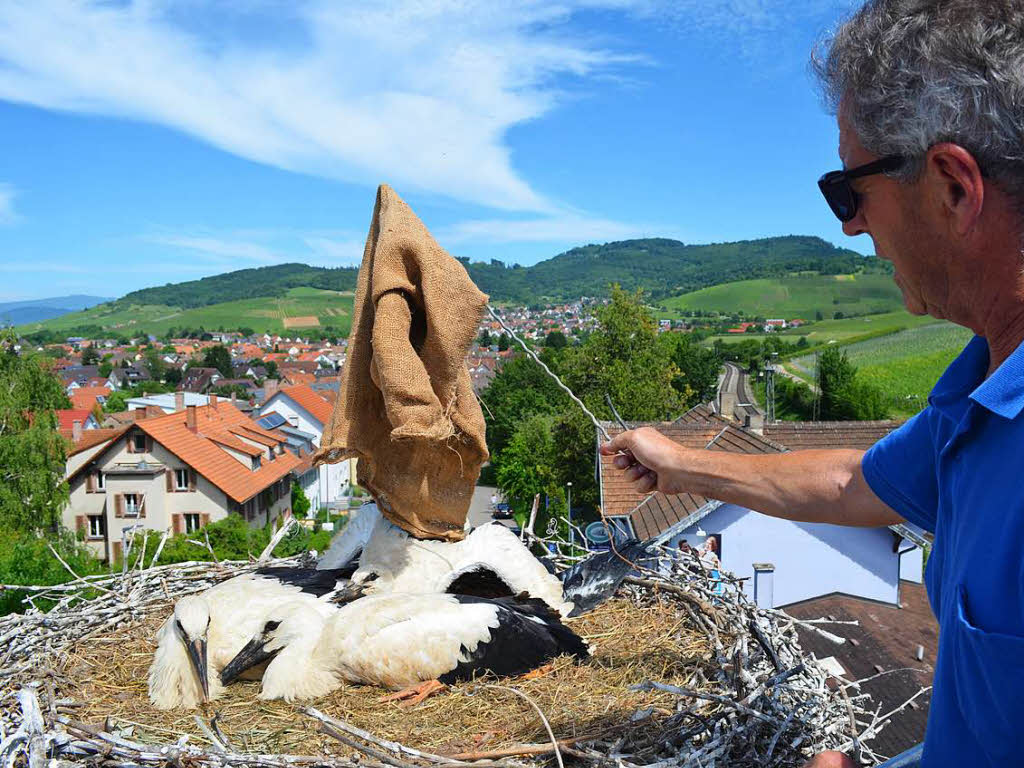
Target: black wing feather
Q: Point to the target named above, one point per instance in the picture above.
(529, 633)
(309, 580)
(592, 581)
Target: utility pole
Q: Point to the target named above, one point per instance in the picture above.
(816, 407)
(769, 387)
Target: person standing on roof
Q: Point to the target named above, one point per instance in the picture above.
(929, 98)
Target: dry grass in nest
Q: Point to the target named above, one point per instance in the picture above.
(630, 644)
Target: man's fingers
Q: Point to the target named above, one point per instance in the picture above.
(647, 483)
(624, 460)
(618, 444)
(635, 472)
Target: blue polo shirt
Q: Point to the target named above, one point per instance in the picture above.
(957, 469)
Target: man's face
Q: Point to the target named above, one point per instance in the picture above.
(890, 213)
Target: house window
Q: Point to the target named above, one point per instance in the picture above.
(139, 442)
(191, 522)
(181, 479)
(100, 481)
(97, 526)
(132, 502)
(256, 462)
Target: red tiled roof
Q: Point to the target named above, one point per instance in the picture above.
(94, 437)
(798, 435)
(67, 417)
(203, 455)
(297, 378)
(311, 400)
(86, 397)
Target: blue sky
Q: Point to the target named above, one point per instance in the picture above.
(157, 141)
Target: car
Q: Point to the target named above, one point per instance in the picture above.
(501, 511)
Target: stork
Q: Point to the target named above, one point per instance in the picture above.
(490, 562)
(205, 631)
(418, 642)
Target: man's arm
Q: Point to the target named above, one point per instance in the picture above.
(817, 486)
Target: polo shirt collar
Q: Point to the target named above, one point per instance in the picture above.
(960, 379)
(1003, 391)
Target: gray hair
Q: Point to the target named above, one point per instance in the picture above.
(913, 73)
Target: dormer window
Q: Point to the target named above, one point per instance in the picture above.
(256, 463)
(139, 442)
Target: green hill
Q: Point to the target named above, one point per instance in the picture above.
(793, 296)
(299, 311)
(264, 297)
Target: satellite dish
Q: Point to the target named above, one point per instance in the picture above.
(596, 533)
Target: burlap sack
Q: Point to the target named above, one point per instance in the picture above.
(406, 408)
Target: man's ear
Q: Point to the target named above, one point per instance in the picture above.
(956, 183)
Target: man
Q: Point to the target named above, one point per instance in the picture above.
(929, 96)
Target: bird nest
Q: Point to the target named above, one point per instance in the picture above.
(684, 671)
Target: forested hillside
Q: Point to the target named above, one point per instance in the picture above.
(661, 267)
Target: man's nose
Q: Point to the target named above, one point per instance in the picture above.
(856, 225)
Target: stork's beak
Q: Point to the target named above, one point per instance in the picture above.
(197, 654)
(254, 652)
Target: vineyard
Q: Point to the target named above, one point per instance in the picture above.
(904, 365)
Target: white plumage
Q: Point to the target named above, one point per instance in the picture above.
(394, 561)
(398, 640)
(206, 631)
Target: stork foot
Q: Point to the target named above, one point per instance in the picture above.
(533, 674)
(416, 694)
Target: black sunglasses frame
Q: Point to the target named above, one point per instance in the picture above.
(839, 193)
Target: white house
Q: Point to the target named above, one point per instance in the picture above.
(308, 410)
(807, 560)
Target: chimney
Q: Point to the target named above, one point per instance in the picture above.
(179, 401)
(213, 401)
(269, 388)
(234, 397)
(76, 430)
(190, 417)
(764, 578)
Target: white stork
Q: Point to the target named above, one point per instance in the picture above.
(403, 640)
(491, 562)
(205, 631)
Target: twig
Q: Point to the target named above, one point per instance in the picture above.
(540, 714)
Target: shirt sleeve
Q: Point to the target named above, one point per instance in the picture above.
(900, 469)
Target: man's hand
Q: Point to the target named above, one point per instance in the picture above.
(651, 460)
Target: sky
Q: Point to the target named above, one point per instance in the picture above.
(156, 141)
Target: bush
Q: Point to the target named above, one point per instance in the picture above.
(25, 558)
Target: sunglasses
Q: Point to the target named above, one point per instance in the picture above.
(839, 193)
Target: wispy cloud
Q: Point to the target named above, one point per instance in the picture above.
(7, 213)
(417, 92)
(218, 249)
(562, 228)
(333, 252)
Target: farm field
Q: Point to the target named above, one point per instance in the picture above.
(791, 297)
(263, 315)
(825, 331)
(904, 365)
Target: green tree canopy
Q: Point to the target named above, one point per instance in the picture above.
(218, 357)
(843, 396)
(32, 452)
(555, 340)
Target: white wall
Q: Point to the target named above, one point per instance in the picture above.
(811, 559)
(911, 563)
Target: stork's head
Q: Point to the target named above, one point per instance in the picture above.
(192, 623)
(284, 624)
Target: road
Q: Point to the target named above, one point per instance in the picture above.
(735, 382)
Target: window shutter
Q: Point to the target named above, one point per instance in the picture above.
(142, 507)
(131, 442)
(80, 522)
(90, 482)
(169, 474)
(204, 519)
(115, 550)
(177, 523)
(149, 444)
(191, 479)
(118, 505)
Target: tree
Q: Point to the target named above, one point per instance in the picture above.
(555, 340)
(218, 357)
(503, 342)
(90, 356)
(300, 502)
(524, 468)
(843, 396)
(117, 401)
(105, 368)
(32, 452)
(485, 338)
(519, 390)
(697, 379)
(271, 366)
(154, 361)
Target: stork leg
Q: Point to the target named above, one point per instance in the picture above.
(538, 672)
(416, 694)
